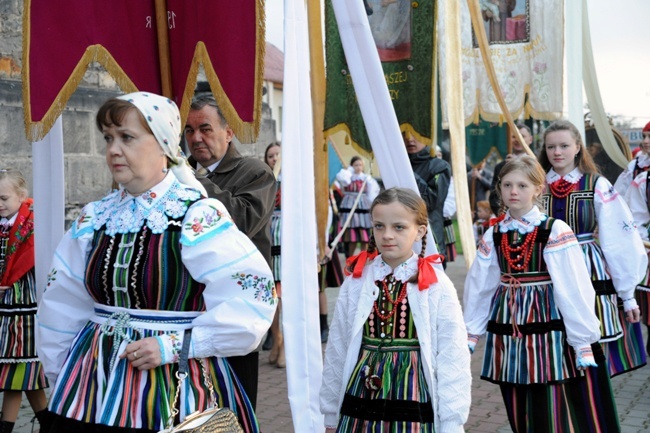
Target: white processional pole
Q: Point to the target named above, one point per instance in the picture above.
(300, 314)
(49, 200)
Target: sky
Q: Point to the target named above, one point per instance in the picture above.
(621, 46)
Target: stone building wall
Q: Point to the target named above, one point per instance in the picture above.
(87, 177)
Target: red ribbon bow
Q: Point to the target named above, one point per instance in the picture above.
(426, 272)
(356, 263)
(495, 221)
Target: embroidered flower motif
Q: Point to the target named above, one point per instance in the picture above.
(373, 383)
(200, 224)
(262, 286)
(82, 218)
(51, 277)
(149, 196)
(629, 226)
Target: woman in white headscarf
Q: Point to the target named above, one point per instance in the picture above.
(149, 267)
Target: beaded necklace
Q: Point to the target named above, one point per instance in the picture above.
(394, 302)
(522, 254)
(561, 188)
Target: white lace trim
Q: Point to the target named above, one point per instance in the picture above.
(574, 176)
(401, 273)
(525, 224)
(122, 212)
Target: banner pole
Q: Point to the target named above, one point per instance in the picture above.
(317, 75)
(479, 31)
(162, 31)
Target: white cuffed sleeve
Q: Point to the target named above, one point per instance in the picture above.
(239, 298)
(66, 305)
(572, 289)
(621, 245)
(625, 179)
(344, 176)
(480, 284)
(636, 198)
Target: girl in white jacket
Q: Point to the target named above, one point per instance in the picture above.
(396, 359)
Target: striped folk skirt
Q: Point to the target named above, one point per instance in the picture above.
(20, 369)
(628, 352)
(400, 404)
(358, 229)
(585, 404)
(98, 392)
(450, 241)
(276, 242)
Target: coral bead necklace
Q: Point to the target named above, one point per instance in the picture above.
(562, 188)
(398, 300)
(522, 254)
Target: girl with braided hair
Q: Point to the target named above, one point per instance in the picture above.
(396, 359)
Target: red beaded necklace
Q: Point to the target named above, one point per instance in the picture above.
(562, 188)
(523, 252)
(398, 300)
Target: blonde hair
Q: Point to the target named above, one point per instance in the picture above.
(17, 180)
(529, 166)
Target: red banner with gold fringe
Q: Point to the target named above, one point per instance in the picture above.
(61, 38)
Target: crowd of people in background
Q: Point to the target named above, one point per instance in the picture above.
(181, 264)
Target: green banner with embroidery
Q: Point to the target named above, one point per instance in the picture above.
(404, 36)
(484, 137)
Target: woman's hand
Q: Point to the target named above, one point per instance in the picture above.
(143, 354)
(3, 288)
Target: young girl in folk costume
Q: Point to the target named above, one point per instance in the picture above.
(276, 356)
(20, 370)
(396, 358)
(615, 257)
(358, 230)
(639, 164)
(530, 290)
(638, 199)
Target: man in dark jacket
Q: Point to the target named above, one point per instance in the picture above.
(246, 186)
(432, 176)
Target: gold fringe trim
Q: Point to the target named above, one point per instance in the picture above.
(37, 130)
(246, 132)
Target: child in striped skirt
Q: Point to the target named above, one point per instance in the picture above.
(529, 289)
(20, 369)
(396, 359)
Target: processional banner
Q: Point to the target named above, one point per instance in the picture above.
(526, 45)
(61, 38)
(403, 32)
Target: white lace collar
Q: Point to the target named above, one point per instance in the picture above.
(402, 272)
(122, 212)
(8, 222)
(572, 177)
(525, 224)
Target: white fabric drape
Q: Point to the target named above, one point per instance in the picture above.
(300, 318)
(49, 200)
(374, 100)
(596, 108)
(573, 29)
(533, 66)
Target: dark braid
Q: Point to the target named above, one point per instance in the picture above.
(423, 251)
(424, 246)
(372, 244)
